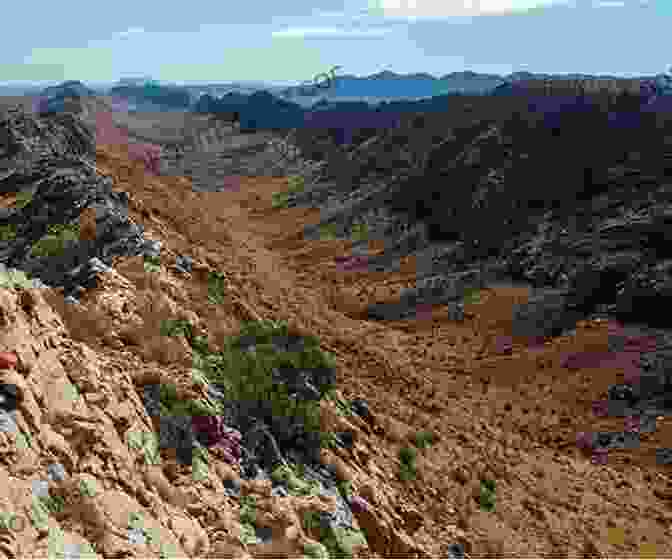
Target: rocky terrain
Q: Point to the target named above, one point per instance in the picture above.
(252, 372)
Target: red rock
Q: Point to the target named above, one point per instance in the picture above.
(7, 360)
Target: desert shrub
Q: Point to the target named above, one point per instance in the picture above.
(216, 287)
(407, 467)
(13, 278)
(248, 376)
(151, 264)
(55, 240)
(424, 439)
(487, 499)
(23, 199)
(7, 232)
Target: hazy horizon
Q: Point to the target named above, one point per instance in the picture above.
(287, 43)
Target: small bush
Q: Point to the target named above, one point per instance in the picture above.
(315, 550)
(280, 200)
(360, 232)
(216, 287)
(23, 199)
(171, 405)
(55, 240)
(424, 439)
(407, 468)
(53, 504)
(7, 232)
(152, 264)
(344, 488)
(487, 500)
(296, 183)
(328, 440)
(14, 278)
(472, 295)
(177, 327)
(248, 512)
(328, 232)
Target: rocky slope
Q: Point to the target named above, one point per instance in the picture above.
(443, 434)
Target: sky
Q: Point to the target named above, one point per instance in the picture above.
(294, 40)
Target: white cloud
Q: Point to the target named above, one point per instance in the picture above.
(330, 33)
(131, 31)
(431, 9)
(611, 4)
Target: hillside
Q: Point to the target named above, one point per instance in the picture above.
(443, 432)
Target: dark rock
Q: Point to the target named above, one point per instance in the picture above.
(360, 407)
(183, 263)
(48, 157)
(455, 551)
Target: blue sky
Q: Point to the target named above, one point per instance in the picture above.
(293, 40)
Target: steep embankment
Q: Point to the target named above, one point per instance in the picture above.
(498, 412)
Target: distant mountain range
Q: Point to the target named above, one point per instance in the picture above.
(380, 86)
(400, 86)
(389, 85)
(71, 88)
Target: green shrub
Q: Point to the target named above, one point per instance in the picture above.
(171, 405)
(23, 199)
(53, 504)
(216, 287)
(152, 264)
(295, 484)
(55, 240)
(315, 550)
(13, 278)
(311, 520)
(328, 440)
(177, 327)
(360, 232)
(407, 468)
(328, 232)
(344, 488)
(248, 376)
(424, 439)
(472, 295)
(296, 183)
(340, 542)
(280, 200)
(7, 232)
(487, 499)
(248, 513)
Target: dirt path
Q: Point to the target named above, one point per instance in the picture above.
(511, 416)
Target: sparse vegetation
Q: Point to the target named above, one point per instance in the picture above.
(295, 484)
(360, 232)
(216, 284)
(23, 199)
(13, 278)
(487, 499)
(328, 232)
(472, 295)
(152, 264)
(295, 184)
(249, 376)
(7, 232)
(56, 239)
(407, 467)
(424, 439)
(344, 488)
